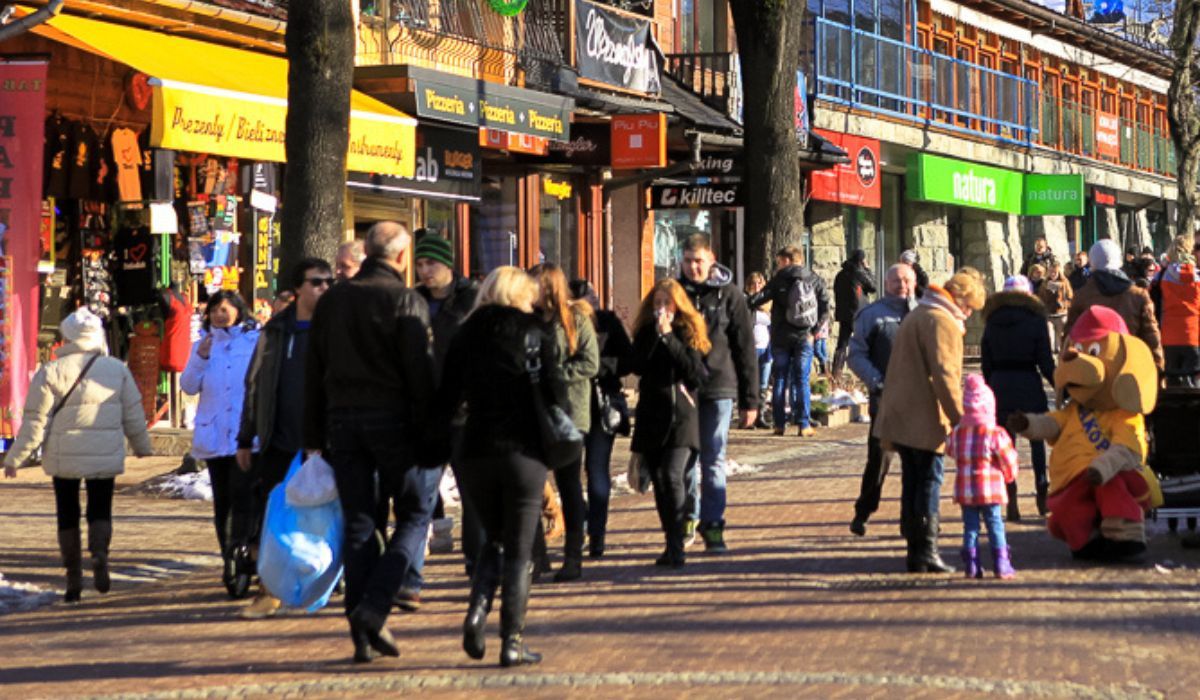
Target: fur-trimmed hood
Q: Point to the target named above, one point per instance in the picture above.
(1016, 300)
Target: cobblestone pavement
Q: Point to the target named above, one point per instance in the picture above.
(799, 607)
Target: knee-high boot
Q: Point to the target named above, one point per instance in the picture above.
(483, 592)
(70, 546)
(1014, 509)
(931, 560)
(99, 538)
(514, 601)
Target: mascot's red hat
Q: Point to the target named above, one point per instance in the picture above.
(1097, 322)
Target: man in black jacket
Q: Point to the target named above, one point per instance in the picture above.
(849, 286)
(273, 408)
(369, 380)
(732, 366)
(791, 336)
(1041, 255)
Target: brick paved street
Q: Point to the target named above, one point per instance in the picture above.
(800, 607)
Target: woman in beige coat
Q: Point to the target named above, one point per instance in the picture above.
(80, 409)
(922, 401)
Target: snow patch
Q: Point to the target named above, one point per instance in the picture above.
(733, 468)
(23, 597)
(189, 487)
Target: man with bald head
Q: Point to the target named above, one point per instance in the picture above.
(369, 379)
(875, 328)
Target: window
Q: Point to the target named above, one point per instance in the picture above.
(558, 224)
(494, 226)
(700, 26)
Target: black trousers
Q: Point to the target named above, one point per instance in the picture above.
(569, 480)
(270, 466)
(233, 502)
(666, 467)
(66, 501)
(871, 489)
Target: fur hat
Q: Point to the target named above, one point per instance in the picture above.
(84, 329)
(979, 403)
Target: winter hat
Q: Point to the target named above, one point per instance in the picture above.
(436, 248)
(979, 403)
(1018, 283)
(1105, 255)
(909, 257)
(1097, 322)
(84, 329)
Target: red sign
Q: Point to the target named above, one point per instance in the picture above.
(516, 143)
(1108, 135)
(22, 109)
(639, 141)
(856, 182)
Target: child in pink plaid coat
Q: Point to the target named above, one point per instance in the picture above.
(986, 461)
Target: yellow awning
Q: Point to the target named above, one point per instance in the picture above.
(215, 99)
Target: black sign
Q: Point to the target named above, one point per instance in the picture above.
(1104, 196)
(590, 144)
(616, 49)
(696, 196)
(448, 164)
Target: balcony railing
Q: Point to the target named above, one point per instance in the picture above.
(1074, 128)
(712, 76)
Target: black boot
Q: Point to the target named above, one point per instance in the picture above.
(1041, 498)
(99, 538)
(514, 601)
(595, 546)
(541, 556)
(572, 567)
(70, 547)
(572, 570)
(1014, 509)
(931, 561)
(483, 591)
(363, 653)
(374, 625)
(910, 529)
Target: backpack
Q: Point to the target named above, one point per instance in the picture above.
(802, 303)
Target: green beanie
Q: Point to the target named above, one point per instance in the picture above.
(435, 248)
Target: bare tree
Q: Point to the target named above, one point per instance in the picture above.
(320, 50)
(1183, 110)
(770, 38)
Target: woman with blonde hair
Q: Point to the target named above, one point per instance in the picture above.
(670, 340)
(502, 467)
(579, 359)
(922, 401)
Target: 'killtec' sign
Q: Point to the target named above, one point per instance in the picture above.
(616, 49)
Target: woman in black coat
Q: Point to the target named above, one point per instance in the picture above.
(1016, 357)
(669, 343)
(502, 469)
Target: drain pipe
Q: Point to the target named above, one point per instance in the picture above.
(30, 21)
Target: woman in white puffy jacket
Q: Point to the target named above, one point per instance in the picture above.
(80, 409)
(216, 371)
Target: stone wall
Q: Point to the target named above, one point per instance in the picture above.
(929, 234)
(828, 240)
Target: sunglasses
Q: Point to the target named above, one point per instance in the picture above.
(320, 281)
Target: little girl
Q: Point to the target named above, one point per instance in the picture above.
(986, 461)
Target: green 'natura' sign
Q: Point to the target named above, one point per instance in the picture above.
(936, 179)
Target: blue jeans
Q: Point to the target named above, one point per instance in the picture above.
(995, 526)
(706, 484)
(921, 483)
(792, 367)
(598, 446)
(428, 481)
(821, 353)
(764, 368)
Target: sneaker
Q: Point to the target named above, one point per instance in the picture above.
(408, 600)
(263, 606)
(805, 432)
(689, 533)
(714, 539)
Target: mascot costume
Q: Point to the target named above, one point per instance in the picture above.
(1100, 487)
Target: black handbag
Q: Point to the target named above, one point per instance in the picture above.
(613, 411)
(562, 443)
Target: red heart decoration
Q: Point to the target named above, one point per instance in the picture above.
(137, 252)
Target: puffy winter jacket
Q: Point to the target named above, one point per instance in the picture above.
(1180, 306)
(1016, 352)
(732, 363)
(87, 437)
(221, 383)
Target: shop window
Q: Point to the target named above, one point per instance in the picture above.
(558, 224)
(671, 228)
(440, 218)
(699, 25)
(494, 226)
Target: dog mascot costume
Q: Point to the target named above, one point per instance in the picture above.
(1100, 487)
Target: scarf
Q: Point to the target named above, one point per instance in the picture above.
(937, 298)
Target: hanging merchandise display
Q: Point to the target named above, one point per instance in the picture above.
(133, 266)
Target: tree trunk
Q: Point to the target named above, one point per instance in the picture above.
(1183, 115)
(320, 50)
(770, 38)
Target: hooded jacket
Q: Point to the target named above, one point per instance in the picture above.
(732, 363)
(784, 335)
(220, 381)
(1113, 289)
(849, 286)
(87, 437)
(1016, 352)
(449, 316)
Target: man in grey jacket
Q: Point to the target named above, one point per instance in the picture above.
(875, 327)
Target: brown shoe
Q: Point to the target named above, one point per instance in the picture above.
(806, 432)
(263, 606)
(408, 600)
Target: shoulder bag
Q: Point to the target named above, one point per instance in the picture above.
(562, 443)
(63, 401)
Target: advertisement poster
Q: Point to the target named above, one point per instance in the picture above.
(858, 182)
(1108, 135)
(616, 49)
(22, 111)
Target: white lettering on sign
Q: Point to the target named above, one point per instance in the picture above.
(974, 189)
(427, 166)
(629, 55)
(699, 197)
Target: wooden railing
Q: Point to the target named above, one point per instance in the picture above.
(709, 75)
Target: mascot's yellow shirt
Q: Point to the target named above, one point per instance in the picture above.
(1083, 435)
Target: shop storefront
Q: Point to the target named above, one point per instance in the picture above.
(844, 214)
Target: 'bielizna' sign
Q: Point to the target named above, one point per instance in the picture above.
(616, 49)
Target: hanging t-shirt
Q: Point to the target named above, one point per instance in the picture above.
(157, 170)
(82, 161)
(177, 340)
(128, 159)
(57, 166)
(134, 266)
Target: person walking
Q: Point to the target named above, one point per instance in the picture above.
(922, 402)
(732, 374)
(1180, 293)
(1015, 358)
(610, 413)
(762, 347)
(216, 371)
(273, 409)
(369, 380)
(986, 462)
(875, 329)
(670, 340)
(1109, 286)
(579, 355)
(501, 461)
(80, 408)
(1041, 255)
(851, 284)
(1056, 294)
(799, 306)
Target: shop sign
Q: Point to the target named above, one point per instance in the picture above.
(590, 144)
(515, 143)
(22, 111)
(859, 182)
(696, 196)
(1108, 135)
(616, 49)
(1104, 197)
(639, 141)
(479, 103)
(558, 189)
(1053, 195)
(936, 179)
(448, 163)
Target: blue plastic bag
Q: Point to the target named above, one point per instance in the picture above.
(300, 554)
